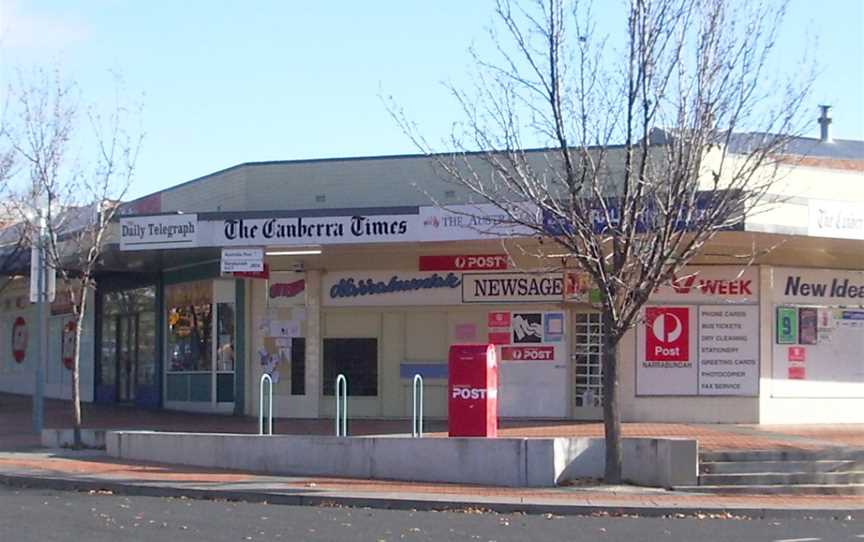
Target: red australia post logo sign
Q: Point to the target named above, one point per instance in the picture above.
(667, 334)
(466, 262)
(528, 353)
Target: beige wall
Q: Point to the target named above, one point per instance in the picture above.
(18, 377)
(422, 334)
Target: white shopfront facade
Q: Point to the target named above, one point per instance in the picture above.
(390, 292)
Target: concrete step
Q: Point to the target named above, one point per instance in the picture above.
(800, 489)
(744, 467)
(782, 478)
(836, 454)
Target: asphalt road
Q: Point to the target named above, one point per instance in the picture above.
(46, 515)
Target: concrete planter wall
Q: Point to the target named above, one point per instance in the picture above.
(60, 438)
(512, 462)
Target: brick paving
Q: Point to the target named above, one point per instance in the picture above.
(15, 427)
(21, 457)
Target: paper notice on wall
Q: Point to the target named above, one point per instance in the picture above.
(465, 332)
(826, 318)
(264, 326)
(285, 353)
(283, 342)
(293, 328)
(279, 328)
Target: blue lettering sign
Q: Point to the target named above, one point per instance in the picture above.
(351, 287)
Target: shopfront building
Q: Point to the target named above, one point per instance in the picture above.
(378, 294)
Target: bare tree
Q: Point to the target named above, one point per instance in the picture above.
(79, 165)
(650, 148)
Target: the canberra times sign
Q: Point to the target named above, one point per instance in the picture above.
(460, 222)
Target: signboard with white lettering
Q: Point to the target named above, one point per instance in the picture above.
(242, 260)
(464, 262)
(158, 232)
(666, 361)
(512, 288)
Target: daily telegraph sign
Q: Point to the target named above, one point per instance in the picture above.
(158, 232)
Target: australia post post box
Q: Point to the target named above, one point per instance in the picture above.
(473, 391)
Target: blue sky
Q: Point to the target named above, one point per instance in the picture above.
(228, 82)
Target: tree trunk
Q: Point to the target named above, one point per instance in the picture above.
(611, 404)
(76, 387)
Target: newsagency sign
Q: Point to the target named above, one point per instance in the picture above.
(511, 287)
(158, 232)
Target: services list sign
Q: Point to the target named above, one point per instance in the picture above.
(728, 350)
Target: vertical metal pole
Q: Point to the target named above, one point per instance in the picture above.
(265, 378)
(417, 407)
(341, 406)
(41, 330)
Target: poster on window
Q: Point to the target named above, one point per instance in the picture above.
(808, 318)
(527, 327)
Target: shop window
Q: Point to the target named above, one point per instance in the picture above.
(357, 359)
(190, 321)
(298, 366)
(189, 338)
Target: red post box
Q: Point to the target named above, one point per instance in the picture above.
(473, 391)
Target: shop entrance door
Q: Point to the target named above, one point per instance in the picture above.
(127, 356)
(587, 366)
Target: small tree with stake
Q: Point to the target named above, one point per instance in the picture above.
(75, 192)
(646, 156)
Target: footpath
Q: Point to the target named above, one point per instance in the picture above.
(24, 463)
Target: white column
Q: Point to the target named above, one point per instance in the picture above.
(314, 362)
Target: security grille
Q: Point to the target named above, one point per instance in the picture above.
(587, 360)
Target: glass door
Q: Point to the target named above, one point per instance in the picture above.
(127, 353)
(587, 359)
(127, 356)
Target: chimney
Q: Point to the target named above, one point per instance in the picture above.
(825, 125)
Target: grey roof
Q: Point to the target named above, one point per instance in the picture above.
(838, 149)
